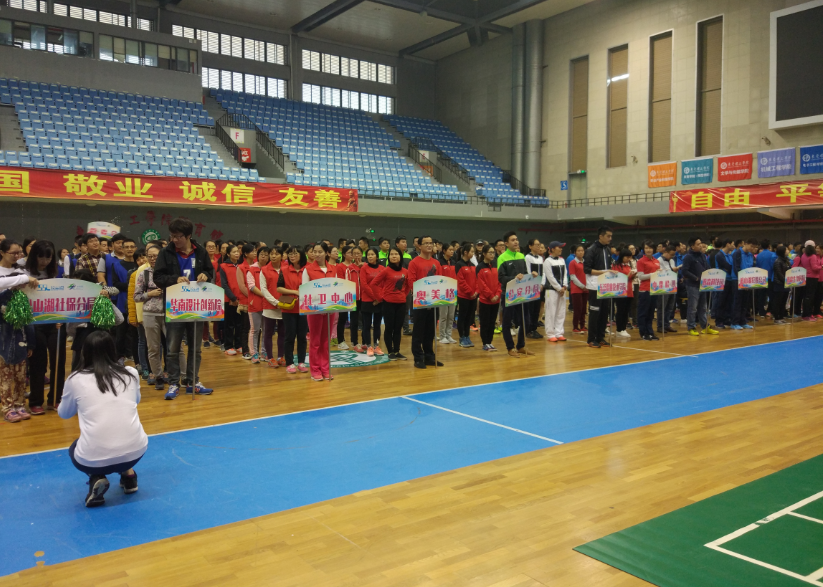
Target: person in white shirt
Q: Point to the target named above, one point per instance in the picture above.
(555, 282)
(104, 395)
(534, 262)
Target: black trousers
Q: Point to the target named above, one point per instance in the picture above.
(101, 471)
(242, 332)
(777, 303)
(393, 318)
(231, 326)
(488, 316)
(423, 334)
(599, 316)
(47, 357)
(465, 316)
(372, 315)
(296, 328)
(341, 325)
(513, 316)
(622, 306)
(533, 310)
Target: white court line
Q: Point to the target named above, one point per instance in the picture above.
(380, 399)
(811, 519)
(631, 348)
(482, 420)
(805, 579)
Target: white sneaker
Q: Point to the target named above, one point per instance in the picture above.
(342, 346)
(443, 340)
(624, 334)
(451, 340)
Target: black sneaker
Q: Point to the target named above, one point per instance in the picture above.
(399, 357)
(407, 331)
(420, 365)
(98, 485)
(206, 344)
(392, 357)
(652, 337)
(129, 483)
(158, 385)
(594, 345)
(534, 334)
(433, 363)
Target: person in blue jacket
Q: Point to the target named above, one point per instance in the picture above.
(765, 260)
(742, 258)
(725, 299)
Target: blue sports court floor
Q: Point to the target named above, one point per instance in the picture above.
(202, 478)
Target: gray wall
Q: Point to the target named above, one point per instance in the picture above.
(474, 97)
(416, 88)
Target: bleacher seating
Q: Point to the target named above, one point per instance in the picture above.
(486, 174)
(337, 147)
(78, 129)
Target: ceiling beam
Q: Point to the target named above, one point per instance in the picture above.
(496, 28)
(510, 9)
(431, 41)
(324, 15)
(433, 12)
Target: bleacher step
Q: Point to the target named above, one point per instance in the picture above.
(11, 137)
(217, 147)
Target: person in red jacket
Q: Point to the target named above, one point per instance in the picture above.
(319, 349)
(256, 301)
(466, 273)
(390, 287)
(288, 285)
(489, 289)
(424, 265)
(580, 295)
(249, 259)
(234, 298)
(446, 313)
(372, 313)
(349, 271)
(214, 255)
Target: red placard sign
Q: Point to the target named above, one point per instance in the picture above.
(245, 154)
(146, 189)
(734, 167)
(789, 193)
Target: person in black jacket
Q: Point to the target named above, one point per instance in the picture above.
(779, 294)
(511, 264)
(723, 300)
(596, 261)
(694, 264)
(182, 261)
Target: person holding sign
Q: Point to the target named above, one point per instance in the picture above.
(597, 261)
(646, 266)
(694, 264)
(390, 287)
(622, 305)
(555, 282)
(319, 365)
(490, 289)
(183, 261)
(780, 294)
(665, 307)
(511, 264)
(424, 265)
(288, 285)
(742, 258)
(724, 261)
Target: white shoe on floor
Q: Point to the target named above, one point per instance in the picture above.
(451, 340)
(624, 334)
(342, 346)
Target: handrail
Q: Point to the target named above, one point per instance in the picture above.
(233, 121)
(426, 143)
(424, 162)
(611, 200)
(270, 147)
(522, 187)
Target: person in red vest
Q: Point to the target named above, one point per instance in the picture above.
(234, 298)
(272, 315)
(424, 265)
(256, 304)
(349, 271)
(390, 288)
(288, 285)
(318, 323)
(249, 259)
(371, 311)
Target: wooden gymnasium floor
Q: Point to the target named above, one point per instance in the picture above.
(508, 522)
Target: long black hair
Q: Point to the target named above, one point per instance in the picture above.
(42, 249)
(99, 357)
(303, 260)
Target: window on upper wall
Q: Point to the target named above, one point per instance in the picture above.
(709, 86)
(336, 65)
(33, 5)
(618, 94)
(348, 99)
(579, 115)
(240, 82)
(147, 54)
(660, 98)
(101, 16)
(46, 38)
(232, 46)
(311, 60)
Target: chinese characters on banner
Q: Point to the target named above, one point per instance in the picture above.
(734, 167)
(663, 282)
(753, 278)
(434, 291)
(103, 229)
(62, 300)
(712, 280)
(796, 277)
(775, 163)
(811, 159)
(662, 174)
(790, 193)
(194, 302)
(327, 296)
(91, 186)
(523, 291)
(697, 171)
(612, 285)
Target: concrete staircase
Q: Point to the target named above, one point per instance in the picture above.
(217, 147)
(11, 137)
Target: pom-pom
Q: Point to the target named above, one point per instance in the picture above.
(102, 313)
(18, 311)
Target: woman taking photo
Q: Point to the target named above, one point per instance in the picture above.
(350, 272)
(104, 394)
(319, 364)
(372, 313)
(47, 357)
(288, 285)
(490, 289)
(390, 288)
(232, 327)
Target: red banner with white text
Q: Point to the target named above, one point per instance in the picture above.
(772, 195)
(109, 187)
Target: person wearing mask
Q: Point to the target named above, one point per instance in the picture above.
(556, 283)
(597, 261)
(424, 265)
(646, 265)
(490, 291)
(811, 263)
(665, 303)
(579, 293)
(390, 288)
(232, 327)
(272, 315)
(534, 263)
(622, 305)
(466, 294)
(183, 261)
(694, 264)
(742, 258)
(47, 357)
(511, 264)
(372, 312)
(724, 300)
(446, 313)
(764, 260)
(16, 344)
(779, 294)
(347, 270)
(104, 394)
(288, 286)
(256, 305)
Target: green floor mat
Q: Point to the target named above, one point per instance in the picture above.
(766, 533)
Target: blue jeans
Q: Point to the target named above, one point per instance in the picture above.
(174, 336)
(142, 349)
(696, 306)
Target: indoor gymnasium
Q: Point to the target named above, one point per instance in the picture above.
(235, 233)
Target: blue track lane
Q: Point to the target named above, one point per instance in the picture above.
(199, 479)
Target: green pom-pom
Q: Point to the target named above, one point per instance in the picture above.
(102, 313)
(18, 311)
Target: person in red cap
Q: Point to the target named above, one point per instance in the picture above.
(555, 282)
